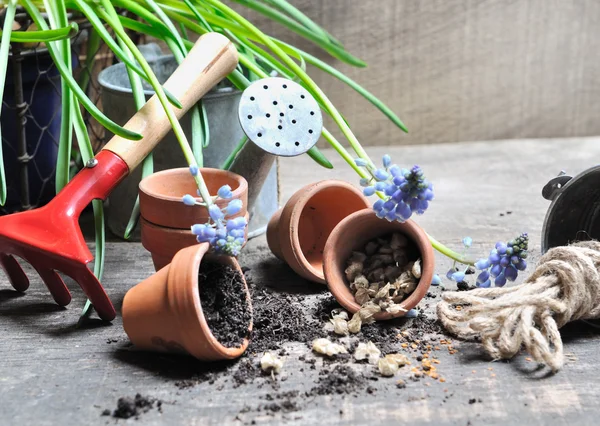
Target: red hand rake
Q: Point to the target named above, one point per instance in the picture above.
(49, 238)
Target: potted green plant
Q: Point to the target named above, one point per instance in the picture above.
(172, 21)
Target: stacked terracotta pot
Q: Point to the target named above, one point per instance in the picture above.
(166, 221)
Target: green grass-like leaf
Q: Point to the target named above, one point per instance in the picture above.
(35, 14)
(69, 31)
(4, 52)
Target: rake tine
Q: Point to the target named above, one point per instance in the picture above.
(55, 284)
(95, 292)
(16, 276)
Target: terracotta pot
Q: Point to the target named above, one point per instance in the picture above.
(166, 221)
(161, 193)
(297, 233)
(163, 243)
(164, 314)
(353, 233)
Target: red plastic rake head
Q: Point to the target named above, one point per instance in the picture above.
(50, 239)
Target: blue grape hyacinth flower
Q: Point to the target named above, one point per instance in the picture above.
(225, 235)
(503, 263)
(407, 192)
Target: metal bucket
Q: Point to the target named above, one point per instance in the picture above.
(225, 132)
(574, 214)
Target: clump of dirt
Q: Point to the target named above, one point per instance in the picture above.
(128, 407)
(224, 303)
(342, 379)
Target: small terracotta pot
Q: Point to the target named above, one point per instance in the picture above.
(163, 243)
(166, 221)
(164, 314)
(161, 193)
(297, 233)
(353, 233)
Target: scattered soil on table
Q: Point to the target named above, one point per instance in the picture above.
(279, 318)
(128, 407)
(342, 379)
(224, 303)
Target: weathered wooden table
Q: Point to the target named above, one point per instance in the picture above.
(54, 373)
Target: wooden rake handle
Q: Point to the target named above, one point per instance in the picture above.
(210, 60)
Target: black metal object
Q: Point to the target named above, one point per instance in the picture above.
(574, 214)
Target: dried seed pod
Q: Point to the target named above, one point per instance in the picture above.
(416, 269)
(376, 275)
(386, 249)
(270, 363)
(372, 264)
(357, 256)
(384, 292)
(386, 367)
(408, 286)
(367, 351)
(386, 259)
(340, 326)
(367, 311)
(361, 282)
(400, 258)
(392, 273)
(353, 270)
(355, 323)
(371, 248)
(326, 347)
(395, 308)
(362, 296)
(339, 313)
(399, 359)
(398, 240)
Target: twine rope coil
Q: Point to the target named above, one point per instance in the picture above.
(564, 287)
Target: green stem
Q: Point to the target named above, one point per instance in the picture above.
(354, 143)
(231, 158)
(450, 253)
(181, 138)
(4, 52)
(93, 45)
(110, 125)
(57, 15)
(69, 31)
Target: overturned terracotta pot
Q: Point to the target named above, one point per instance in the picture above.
(351, 234)
(297, 233)
(166, 221)
(164, 313)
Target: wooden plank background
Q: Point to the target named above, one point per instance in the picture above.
(460, 70)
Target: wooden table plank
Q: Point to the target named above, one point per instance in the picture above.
(53, 373)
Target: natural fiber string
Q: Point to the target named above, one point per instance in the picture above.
(564, 287)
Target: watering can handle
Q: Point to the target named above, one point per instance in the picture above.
(210, 60)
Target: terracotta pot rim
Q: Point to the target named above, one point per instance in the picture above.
(191, 317)
(159, 247)
(169, 173)
(332, 271)
(297, 208)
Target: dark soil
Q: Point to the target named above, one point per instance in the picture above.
(342, 379)
(279, 318)
(128, 407)
(224, 303)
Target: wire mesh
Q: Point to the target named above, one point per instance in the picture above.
(31, 116)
